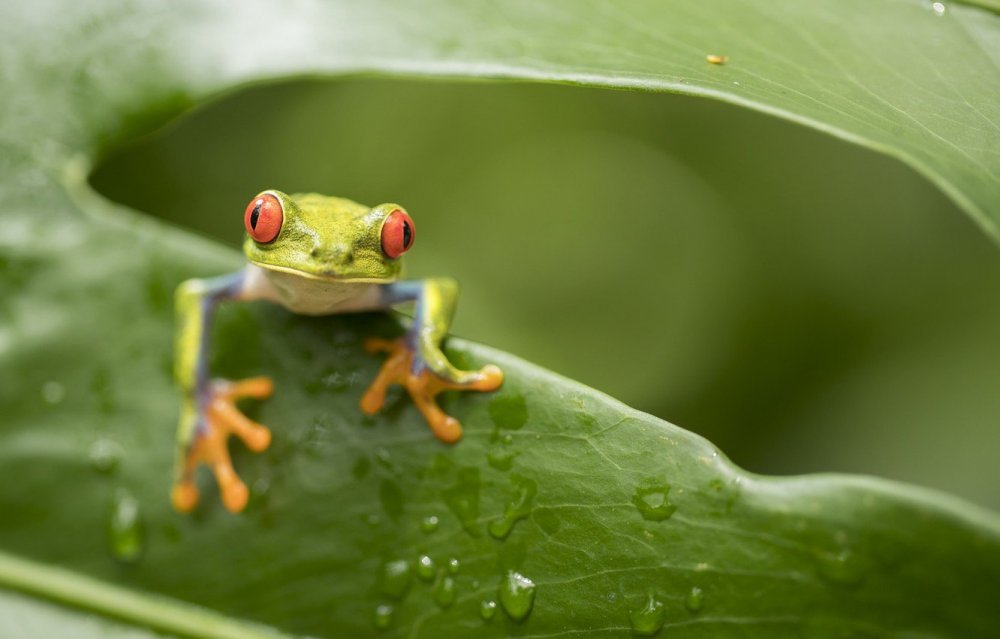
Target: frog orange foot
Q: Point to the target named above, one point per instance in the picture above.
(210, 447)
(423, 386)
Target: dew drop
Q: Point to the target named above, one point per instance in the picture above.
(487, 609)
(651, 500)
(395, 578)
(515, 510)
(429, 524)
(444, 590)
(843, 567)
(105, 455)
(500, 458)
(425, 568)
(383, 616)
(462, 498)
(125, 530)
(647, 620)
(440, 466)
(454, 565)
(361, 467)
(391, 498)
(339, 381)
(517, 594)
(53, 392)
(509, 411)
(384, 459)
(100, 387)
(260, 488)
(938, 8)
(694, 599)
(588, 421)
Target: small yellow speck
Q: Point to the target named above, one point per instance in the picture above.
(714, 58)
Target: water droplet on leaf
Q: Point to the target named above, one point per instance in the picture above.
(462, 498)
(361, 467)
(444, 590)
(391, 498)
(647, 620)
(260, 488)
(588, 421)
(125, 530)
(515, 510)
(694, 599)
(53, 392)
(383, 616)
(509, 411)
(395, 578)
(500, 458)
(384, 459)
(487, 609)
(454, 565)
(429, 524)
(101, 389)
(843, 567)
(425, 568)
(517, 595)
(651, 500)
(105, 455)
(939, 8)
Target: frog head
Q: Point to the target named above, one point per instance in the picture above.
(326, 237)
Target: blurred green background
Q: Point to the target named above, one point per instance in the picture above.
(805, 304)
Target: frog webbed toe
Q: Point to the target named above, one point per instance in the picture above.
(219, 419)
(406, 367)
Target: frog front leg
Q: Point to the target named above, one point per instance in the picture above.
(208, 411)
(416, 361)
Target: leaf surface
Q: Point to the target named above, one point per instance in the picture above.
(570, 513)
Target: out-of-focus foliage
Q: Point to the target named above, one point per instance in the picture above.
(663, 249)
(806, 304)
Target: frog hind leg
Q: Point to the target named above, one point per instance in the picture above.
(416, 361)
(209, 415)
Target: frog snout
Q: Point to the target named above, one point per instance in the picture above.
(337, 254)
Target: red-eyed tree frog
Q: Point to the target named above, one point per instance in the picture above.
(314, 255)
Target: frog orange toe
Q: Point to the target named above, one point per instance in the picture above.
(424, 386)
(223, 419)
(184, 495)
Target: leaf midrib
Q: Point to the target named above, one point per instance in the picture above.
(141, 609)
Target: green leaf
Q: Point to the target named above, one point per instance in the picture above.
(592, 519)
(24, 617)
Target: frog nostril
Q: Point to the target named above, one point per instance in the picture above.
(340, 254)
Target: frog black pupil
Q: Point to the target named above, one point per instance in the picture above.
(256, 214)
(407, 234)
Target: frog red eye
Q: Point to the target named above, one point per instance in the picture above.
(398, 234)
(263, 218)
